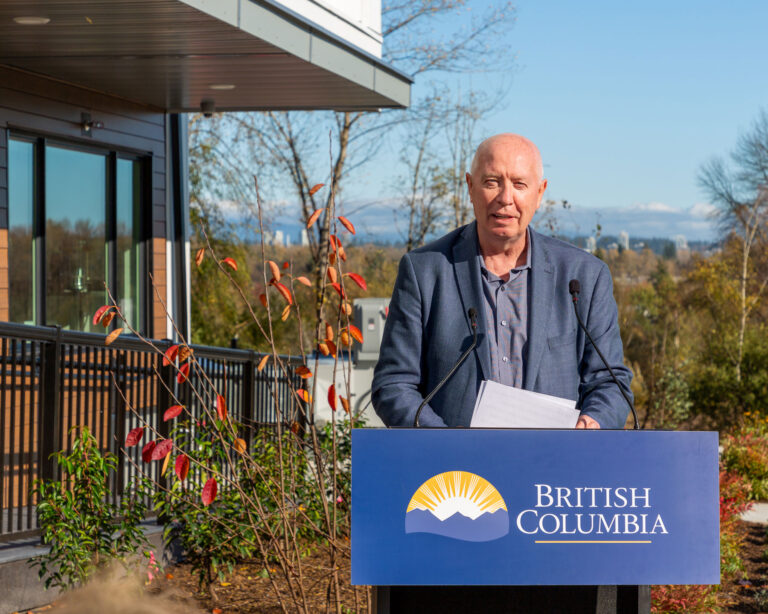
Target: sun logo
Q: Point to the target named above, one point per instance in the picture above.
(459, 505)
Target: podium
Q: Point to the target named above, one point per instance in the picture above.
(495, 520)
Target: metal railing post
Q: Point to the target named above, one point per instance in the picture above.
(249, 397)
(50, 406)
(121, 379)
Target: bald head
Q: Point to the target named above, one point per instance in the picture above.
(505, 186)
(513, 144)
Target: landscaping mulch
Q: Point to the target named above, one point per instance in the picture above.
(249, 591)
(749, 595)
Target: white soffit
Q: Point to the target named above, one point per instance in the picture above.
(168, 53)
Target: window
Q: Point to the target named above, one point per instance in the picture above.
(21, 258)
(75, 228)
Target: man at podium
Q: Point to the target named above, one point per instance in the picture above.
(517, 283)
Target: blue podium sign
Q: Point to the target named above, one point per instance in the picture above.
(528, 507)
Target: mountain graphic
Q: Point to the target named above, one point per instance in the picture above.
(484, 528)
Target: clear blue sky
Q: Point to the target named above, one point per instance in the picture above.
(627, 100)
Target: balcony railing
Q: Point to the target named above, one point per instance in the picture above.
(52, 380)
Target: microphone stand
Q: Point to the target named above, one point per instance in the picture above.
(472, 313)
(574, 288)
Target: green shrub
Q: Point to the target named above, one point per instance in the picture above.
(85, 531)
(213, 537)
(745, 452)
(280, 477)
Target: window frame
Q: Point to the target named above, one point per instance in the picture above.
(112, 154)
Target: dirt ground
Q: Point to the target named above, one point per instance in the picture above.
(750, 595)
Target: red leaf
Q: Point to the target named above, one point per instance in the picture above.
(239, 445)
(231, 262)
(185, 352)
(112, 336)
(303, 372)
(182, 466)
(263, 299)
(146, 451)
(354, 331)
(344, 403)
(172, 412)
(315, 188)
(313, 218)
(209, 491)
(335, 243)
(183, 373)
(339, 289)
(221, 407)
(331, 347)
(304, 395)
(170, 355)
(286, 264)
(284, 291)
(106, 320)
(304, 280)
(100, 313)
(134, 436)
(332, 397)
(358, 280)
(347, 224)
(275, 269)
(199, 256)
(263, 363)
(162, 449)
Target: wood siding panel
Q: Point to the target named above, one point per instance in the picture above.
(159, 319)
(4, 306)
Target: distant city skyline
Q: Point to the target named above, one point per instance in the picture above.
(382, 221)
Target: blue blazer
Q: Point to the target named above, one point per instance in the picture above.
(427, 329)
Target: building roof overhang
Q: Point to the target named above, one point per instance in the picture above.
(169, 53)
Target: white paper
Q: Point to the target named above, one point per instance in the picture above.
(500, 406)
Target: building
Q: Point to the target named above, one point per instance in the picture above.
(624, 239)
(92, 133)
(591, 245)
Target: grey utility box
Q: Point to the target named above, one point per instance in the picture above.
(369, 317)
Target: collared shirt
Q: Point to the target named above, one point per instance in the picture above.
(506, 315)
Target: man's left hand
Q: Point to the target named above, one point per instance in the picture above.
(586, 422)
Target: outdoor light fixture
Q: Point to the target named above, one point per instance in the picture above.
(87, 124)
(222, 86)
(31, 21)
(207, 107)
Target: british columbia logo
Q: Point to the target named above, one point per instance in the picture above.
(459, 505)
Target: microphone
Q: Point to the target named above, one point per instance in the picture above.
(574, 287)
(472, 313)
